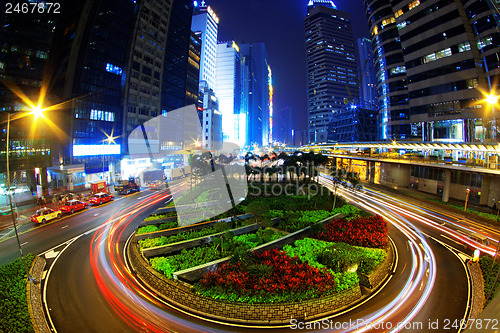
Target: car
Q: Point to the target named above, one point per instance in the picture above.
(45, 214)
(100, 198)
(156, 185)
(72, 206)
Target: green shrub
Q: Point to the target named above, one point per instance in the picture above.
(337, 257)
(14, 316)
(220, 247)
(182, 236)
(293, 221)
(489, 275)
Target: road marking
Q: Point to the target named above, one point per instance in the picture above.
(24, 243)
(51, 254)
(96, 214)
(451, 239)
(7, 234)
(64, 227)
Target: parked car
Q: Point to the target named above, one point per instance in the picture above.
(72, 206)
(100, 198)
(45, 214)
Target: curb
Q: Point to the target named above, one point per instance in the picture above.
(34, 295)
(477, 289)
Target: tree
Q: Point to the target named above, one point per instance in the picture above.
(337, 178)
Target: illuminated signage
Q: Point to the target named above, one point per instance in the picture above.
(271, 92)
(95, 150)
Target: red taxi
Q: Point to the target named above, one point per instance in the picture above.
(72, 206)
(100, 198)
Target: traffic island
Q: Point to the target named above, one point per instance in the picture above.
(334, 298)
(181, 295)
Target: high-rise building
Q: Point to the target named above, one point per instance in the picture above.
(147, 66)
(331, 65)
(284, 125)
(89, 60)
(230, 90)
(120, 64)
(177, 46)
(193, 70)
(258, 87)
(211, 119)
(433, 59)
(353, 123)
(206, 22)
(24, 48)
(367, 82)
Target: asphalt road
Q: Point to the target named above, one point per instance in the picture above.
(88, 287)
(90, 291)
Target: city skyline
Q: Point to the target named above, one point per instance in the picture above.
(281, 28)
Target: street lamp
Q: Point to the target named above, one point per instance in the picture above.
(491, 99)
(466, 199)
(37, 111)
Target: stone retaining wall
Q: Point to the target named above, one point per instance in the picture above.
(179, 294)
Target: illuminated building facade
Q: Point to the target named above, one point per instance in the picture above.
(433, 58)
(24, 49)
(211, 119)
(353, 123)
(331, 65)
(89, 60)
(193, 70)
(368, 84)
(258, 93)
(206, 23)
(230, 90)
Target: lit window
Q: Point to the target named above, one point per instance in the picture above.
(472, 83)
(483, 42)
(443, 54)
(413, 4)
(398, 13)
(113, 69)
(398, 70)
(401, 25)
(388, 21)
(464, 47)
(429, 58)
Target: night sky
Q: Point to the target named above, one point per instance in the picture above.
(280, 25)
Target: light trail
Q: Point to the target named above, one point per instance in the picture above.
(143, 311)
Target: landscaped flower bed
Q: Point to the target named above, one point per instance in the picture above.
(156, 227)
(164, 240)
(365, 232)
(219, 248)
(342, 260)
(271, 277)
(292, 221)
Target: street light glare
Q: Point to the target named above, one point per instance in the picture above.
(37, 111)
(492, 99)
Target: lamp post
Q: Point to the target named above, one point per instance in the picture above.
(466, 199)
(36, 111)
